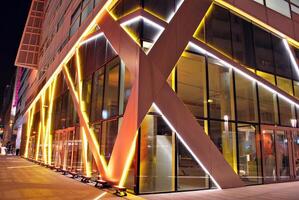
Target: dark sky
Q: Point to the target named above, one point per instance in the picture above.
(13, 17)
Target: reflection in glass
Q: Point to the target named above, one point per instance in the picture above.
(223, 134)
(269, 160)
(191, 83)
(220, 91)
(249, 154)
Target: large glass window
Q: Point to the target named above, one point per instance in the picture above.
(156, 155)
(249, 154)
(97, 96)
(242, 37)
(108, 137)
(286, 110)
(191, 83)
(221, 96)
(223, 134)
(218, 31)
(111, 90)
(246, 99)
(281, 58)
(267, 101)
(263, 49)
(282, 155)
(269, 159)
(190, 175)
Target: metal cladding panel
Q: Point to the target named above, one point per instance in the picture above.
(30, 44)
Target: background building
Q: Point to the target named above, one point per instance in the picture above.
(163, 96)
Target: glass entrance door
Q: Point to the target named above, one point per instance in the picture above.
(280, 153)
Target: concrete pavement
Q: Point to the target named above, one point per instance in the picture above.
(21, 179)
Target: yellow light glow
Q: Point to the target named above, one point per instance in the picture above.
(38, 142)
(128, 162)
(201, 25)
(29, 126)
(43, 127)
(85, 146)
(71, 52)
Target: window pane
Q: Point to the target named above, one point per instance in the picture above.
(282, 58)
(242, 38)
(108, 137)
(111, 90)
(249, 154)
(246, 99)
(220, 91)
(86, 95)
(223, 135)
(190, 175)
(287, 112)
(217, 28)
(156, 156)
(283, 160)
(268, 106)
(97, 96)
(280, 6)
(263, 49)
(191, 83)
(269, 160)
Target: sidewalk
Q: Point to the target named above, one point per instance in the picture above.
(22, 180)
(279, 191)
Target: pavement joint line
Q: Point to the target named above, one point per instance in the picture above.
(100, 196)
(26, 166)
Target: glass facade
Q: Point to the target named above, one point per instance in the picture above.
(254, 129)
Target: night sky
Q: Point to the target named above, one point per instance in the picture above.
(13, 17)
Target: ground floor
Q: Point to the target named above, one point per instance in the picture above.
(30, 181)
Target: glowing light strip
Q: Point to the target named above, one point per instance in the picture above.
(128, 161)
(49, 120)
(243, 73)
(146, 20)
(92, 38)
(30, 122)
(293, 60)
(44, 128)
(169, 18)
(85, 151)
(185, 144)
(38, 142)
(71, 52)
(138, 18)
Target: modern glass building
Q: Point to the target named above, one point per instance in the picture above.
(164, 95)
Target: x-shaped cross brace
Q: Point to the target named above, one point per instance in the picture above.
(150, 87)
